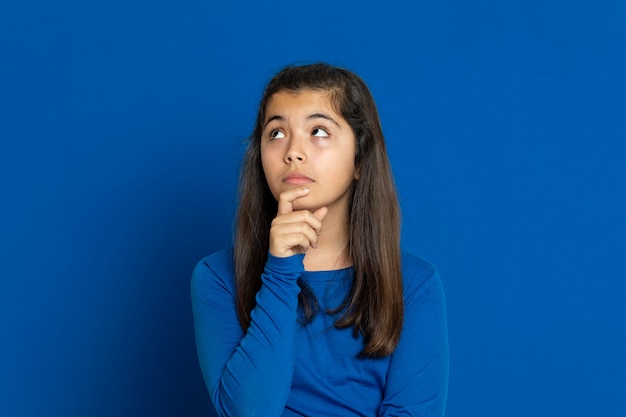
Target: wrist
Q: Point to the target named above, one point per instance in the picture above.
(289, 265)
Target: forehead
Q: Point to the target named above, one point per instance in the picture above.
(286, 101)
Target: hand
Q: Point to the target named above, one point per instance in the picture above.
(292, 231)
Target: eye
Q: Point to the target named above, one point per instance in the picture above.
(320, 132)
(276, 134)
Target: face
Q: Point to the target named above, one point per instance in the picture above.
(306, 143)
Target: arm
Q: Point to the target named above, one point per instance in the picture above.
(417, 378)
(247, 375)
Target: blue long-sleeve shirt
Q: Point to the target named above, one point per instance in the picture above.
(281, 367)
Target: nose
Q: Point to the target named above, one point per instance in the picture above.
(295, 152)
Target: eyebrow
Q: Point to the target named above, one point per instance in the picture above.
(309, 117)
(323, 116)
(271, 119)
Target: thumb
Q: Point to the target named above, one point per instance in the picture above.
(321, 212)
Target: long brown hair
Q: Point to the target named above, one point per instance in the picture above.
(374, 306)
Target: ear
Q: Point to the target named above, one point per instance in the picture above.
(357, 173)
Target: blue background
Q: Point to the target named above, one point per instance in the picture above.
(122, 126)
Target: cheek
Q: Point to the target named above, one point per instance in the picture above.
(345, 167)
(269, 156)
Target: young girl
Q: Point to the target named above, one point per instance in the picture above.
(316, 311)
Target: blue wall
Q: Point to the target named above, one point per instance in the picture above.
(121, 130)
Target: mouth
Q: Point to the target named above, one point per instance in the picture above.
(295, 178)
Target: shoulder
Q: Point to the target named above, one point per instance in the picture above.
(220, 262)
(418, 275)
(215, 270)
(416, 269)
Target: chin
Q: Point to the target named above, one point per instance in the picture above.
(302, 205)
(298, 205)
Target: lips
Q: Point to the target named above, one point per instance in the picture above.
(295, 178)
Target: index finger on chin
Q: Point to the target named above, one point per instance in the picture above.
(286, 199)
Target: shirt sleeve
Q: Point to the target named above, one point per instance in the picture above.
(417, 378)
(247, 375)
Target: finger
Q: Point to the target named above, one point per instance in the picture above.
(302, 216)
(284, 232)
(286, 199)
(321, 212)
(298, 243)
(292, 243)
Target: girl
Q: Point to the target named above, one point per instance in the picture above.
(316, 311)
